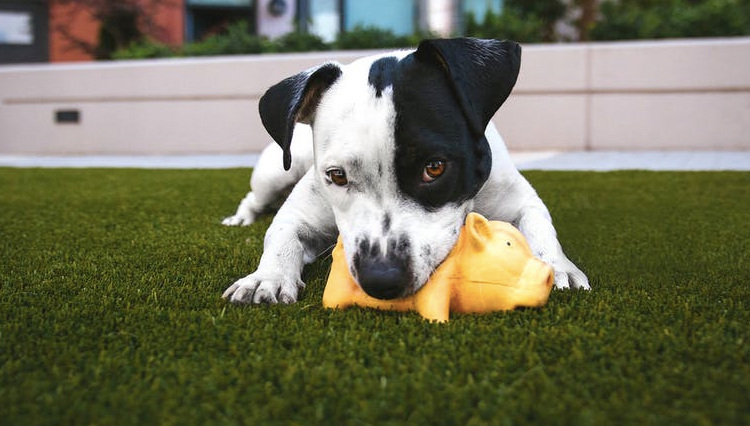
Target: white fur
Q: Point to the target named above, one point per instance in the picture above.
(354, 130)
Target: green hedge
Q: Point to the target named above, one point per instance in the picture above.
(653, 19)
(507, 25)
(532, 22)
(527, 22)
(374, 38)
(238, 40)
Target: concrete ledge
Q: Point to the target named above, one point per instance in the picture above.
(536, 160)
(677, 65)
(678, 94)
(132, 161)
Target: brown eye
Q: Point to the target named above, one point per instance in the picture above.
(433, 170)
(337, 176)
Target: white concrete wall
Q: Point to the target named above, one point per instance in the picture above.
(645, 95)
(667, 95)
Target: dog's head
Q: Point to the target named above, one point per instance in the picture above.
(400, 150)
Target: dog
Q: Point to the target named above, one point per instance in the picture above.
(391, 152)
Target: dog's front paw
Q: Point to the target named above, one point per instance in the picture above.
(244, 219)
(246, 212)
(260, 287)
(567, 275)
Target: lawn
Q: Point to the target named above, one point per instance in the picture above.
(110, 313)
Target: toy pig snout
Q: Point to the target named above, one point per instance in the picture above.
(536, 280)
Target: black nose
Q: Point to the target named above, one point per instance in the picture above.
(383, 278)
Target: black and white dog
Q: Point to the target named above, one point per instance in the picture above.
(391, 151)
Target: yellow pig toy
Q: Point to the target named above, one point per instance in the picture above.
(490, 268)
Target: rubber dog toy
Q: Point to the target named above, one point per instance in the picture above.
(490, 268)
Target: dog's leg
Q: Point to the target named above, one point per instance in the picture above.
(508, 196)
(535, 223)
(270, 183)
(303, 228)
(521, 206)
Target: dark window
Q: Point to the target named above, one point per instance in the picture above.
(23, 32)
(209, 17)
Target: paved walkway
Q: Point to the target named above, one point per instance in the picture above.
(652, 160)
(593, 161)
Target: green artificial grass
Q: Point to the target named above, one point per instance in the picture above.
(110, 313)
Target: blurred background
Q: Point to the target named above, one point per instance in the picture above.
(123, 77)
(80, 30)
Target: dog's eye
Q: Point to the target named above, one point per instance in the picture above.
(337, 176)
(433, 170)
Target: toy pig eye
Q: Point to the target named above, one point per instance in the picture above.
(433, 170)
(337, 176)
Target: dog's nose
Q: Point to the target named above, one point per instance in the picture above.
(383, 278)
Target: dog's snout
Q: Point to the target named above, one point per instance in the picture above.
(383, 274)
(383, 278)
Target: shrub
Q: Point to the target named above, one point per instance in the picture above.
(544, 13)
(373, 38)
(236, 41)
(523, 21)
(297, 41)
(507, 25)
(621, 20)
(146, 49)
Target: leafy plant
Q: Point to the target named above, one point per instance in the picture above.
(145, 49)
(297, 41)
(547, 13)
(655, 19)
(507, 25)
(528, 22)
(373, 38)
(237, 40)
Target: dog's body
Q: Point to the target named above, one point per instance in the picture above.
(403, 150)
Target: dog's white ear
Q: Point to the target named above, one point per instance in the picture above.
(482, 73)
(294, 100)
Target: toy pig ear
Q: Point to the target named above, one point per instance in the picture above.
(478, 229)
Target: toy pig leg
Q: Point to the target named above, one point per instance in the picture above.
(432, 301)
(340, 289)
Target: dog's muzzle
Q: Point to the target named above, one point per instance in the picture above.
(383, 279)
(382, 276)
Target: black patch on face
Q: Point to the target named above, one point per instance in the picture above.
(430, 125)
(381, 74)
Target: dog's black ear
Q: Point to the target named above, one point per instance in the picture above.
(482, 72)
(294, 100)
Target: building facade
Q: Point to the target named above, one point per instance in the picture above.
(83, 30)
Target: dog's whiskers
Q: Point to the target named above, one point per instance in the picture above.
(327, 249)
